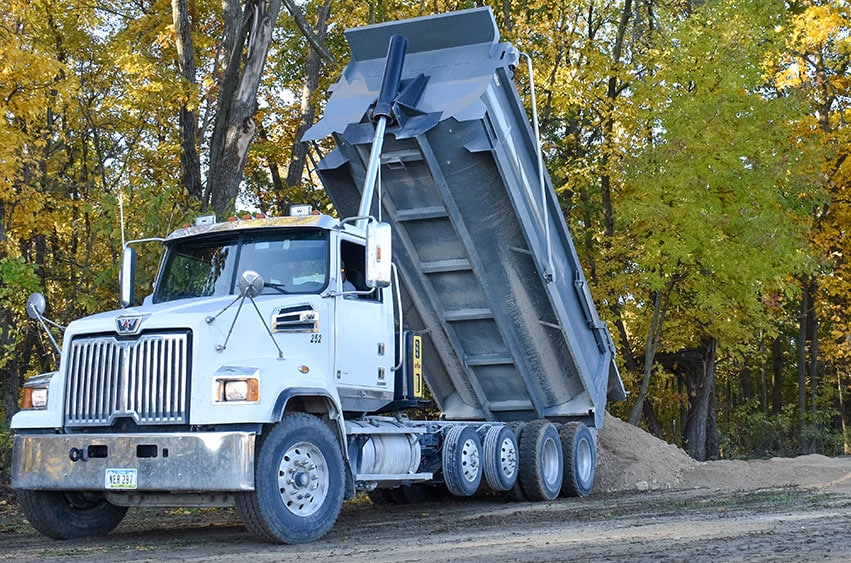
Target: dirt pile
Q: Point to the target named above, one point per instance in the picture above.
(628, 458)
(808, 471)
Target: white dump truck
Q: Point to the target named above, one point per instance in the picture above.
(280, 364)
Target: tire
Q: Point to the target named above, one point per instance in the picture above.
(65, 515)
(541, 461)
(516, 493)
(299, 482)
(462, 454)
(499, 448)
(580, 459)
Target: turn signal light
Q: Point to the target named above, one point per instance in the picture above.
(34, 398)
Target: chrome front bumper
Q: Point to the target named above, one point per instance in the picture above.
(173, 462)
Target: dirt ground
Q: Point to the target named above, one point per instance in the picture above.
(651, 503)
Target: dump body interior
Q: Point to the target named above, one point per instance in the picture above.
(490, 274)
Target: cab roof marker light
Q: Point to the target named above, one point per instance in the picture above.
(300, 210)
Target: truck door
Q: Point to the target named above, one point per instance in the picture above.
(364, 337)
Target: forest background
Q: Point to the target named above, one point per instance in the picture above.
(698, 149)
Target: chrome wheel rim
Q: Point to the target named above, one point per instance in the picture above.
(303, 479)
(508, 457)
(584, 463)
(470, 463)
(550, 463)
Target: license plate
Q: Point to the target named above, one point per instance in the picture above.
(120, 479)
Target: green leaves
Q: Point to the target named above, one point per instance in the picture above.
(701, 155)
(16, 278)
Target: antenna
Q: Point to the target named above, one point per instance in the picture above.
(121, 215)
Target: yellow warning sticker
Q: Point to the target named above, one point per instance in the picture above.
(417, 345)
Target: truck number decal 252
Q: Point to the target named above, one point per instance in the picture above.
(315, 338)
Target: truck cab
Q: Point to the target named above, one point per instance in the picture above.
(304, 331)
(249, 321)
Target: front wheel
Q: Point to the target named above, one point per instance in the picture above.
(298, 485)
(65, 515)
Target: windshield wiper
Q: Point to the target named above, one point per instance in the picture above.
(277, 286)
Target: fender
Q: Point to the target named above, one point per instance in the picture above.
(332, 408)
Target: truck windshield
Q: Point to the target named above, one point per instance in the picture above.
(289, 261)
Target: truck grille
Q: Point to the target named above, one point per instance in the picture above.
(146, 379)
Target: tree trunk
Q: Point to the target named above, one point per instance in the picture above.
(812, 329)
(748, 389)
(311, 84)
(190, 162)
(316, 42)
(9, 391)
(713, 446)
(695, 367)
(700, 440)
(763, 382)
(280, 202)
(246, 47)
(652, 420)
(650, 346)
(625, 347)
(507, 21)
(802, 369)
(613, 90)
(588, 239)
(9, 382)
(843, 419)
(776, 376)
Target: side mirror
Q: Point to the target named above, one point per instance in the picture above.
(127, 277)
(250, 284)
(378, 254)
(36, 305)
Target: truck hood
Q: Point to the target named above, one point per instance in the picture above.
(180, 314)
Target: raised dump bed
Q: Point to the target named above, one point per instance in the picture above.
(491, 276)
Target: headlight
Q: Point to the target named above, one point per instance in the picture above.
(35, 391)
(244, 390)
(34, 398)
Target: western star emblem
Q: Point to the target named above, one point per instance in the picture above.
(129, 324)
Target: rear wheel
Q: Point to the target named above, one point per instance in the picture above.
(516, 493)
(499, 448)
(541, 468)
(462, 454)
(299, 482)
(64, 515)
(580, 459)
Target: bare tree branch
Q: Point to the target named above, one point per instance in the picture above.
(308, 33)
